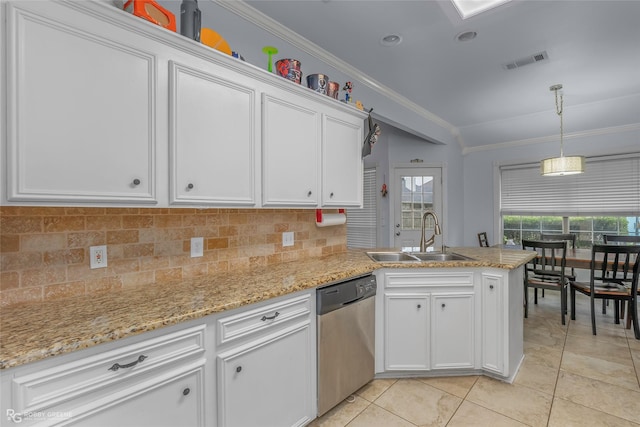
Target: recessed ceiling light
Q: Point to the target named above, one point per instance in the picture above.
(469, 8)
(391, 40)
(466, 36)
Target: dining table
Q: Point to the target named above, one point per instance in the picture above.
(575, 258)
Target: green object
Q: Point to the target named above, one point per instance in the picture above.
(270, 50)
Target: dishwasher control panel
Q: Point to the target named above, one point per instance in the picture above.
(337, 295)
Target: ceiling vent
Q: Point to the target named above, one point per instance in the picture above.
(537, 57)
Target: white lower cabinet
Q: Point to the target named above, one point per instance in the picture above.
(266, 364)
(406, 331)
(428, 320)
(157, 379)
(449, 321)
(453, 338)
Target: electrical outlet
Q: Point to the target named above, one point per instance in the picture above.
(98, 256)
(287, 238)
(197, 247)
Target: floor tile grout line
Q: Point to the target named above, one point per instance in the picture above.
(555, 387)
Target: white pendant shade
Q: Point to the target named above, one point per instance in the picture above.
(559, 166)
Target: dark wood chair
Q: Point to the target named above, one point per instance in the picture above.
(482, 239)
(546, 271)
(614, 275)
(614, 238)
(570, 238)
(617, 239)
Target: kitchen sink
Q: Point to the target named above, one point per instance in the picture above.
(416, 256)
(391, 257)
(439, 256)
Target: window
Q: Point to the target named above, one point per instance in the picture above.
(362, 225)
(603, 200)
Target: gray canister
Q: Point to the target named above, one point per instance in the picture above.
(190, 19)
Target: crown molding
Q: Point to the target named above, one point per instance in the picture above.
(582, 134)
(273, 27)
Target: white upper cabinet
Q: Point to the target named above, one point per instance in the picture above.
(212, 137)
(81, 112)
(342, 138)
(104, 108)
(291, 151)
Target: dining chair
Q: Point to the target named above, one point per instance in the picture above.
(546, 271)
(483, 240)
(614, 238)
(614, 275)
(570, 238)
(617, 239)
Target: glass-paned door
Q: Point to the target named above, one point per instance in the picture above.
(416, 190)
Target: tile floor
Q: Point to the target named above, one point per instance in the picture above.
(568, 378)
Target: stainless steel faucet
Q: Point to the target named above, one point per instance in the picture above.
(425, 243)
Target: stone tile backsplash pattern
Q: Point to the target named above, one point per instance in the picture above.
(44, 251)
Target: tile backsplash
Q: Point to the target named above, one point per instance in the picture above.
(44, 251)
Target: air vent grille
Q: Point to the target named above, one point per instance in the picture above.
(537, 57)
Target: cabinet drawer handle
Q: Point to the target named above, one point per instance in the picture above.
(136, 181)
(117, 366)
(265, 318)
(186, 391)
(239, 368)
(190, 186)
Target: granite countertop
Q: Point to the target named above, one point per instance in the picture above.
(35, 331)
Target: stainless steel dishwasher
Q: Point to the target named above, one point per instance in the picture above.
(346, 330)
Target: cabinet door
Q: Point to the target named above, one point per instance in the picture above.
(492, 324)
(291, 152)
(268, 382)
(178, 400)
(406, 338)
(341, 161)
(212, 141)
(453, 334)
(81, 109)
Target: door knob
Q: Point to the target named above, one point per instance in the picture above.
(397, 225)
(397, 233)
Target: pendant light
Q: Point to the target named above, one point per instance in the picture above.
(558, 166)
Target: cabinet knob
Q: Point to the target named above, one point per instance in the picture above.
(331, 195)
(443, 305)
(190, 186)
(490, 286)
(136, 181)
(239, 368)
(419, 305)
(186, 391)
(309, 193)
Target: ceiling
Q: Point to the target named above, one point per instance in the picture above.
(593, 50)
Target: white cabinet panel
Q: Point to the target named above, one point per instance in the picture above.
(213, 122)
(407, 327)
(341, 161)
(81, 110)
(452, 331)
(291, 152)
(267, 382)
(492, 330)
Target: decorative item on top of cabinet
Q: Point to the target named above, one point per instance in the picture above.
(152, 12)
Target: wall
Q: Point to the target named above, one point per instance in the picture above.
(44, 251)
(396, 146)
(479, 207)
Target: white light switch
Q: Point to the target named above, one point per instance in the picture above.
(287, 238)
(197, 247)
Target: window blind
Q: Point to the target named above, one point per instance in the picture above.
(609, 185)
(362, 224)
